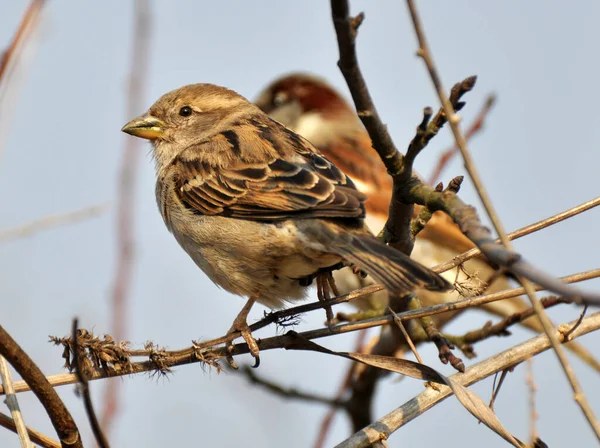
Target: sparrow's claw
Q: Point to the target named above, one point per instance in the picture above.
(326, 285)
(240, 325)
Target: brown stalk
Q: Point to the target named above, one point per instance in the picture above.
(85, 388)
(126, 197)
(522, 275)
(60, 417)
(49, 222)
(388, 424)
(192, 354)
(11, 54)
(37, 437)
(475, 127)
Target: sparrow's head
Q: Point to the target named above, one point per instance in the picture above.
(186, 116)
(304, 103)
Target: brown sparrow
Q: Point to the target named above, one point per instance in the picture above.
(256, 206)
(313, 109)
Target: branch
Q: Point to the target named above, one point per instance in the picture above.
(13, 63)
(13, 404)
(11, 54)
(85, 388)
(473, 130)
(385, 426)
(162, 360)
(472, 253)
(62, 421)
(126, 192)
(500, 328)
(290, 393)
(49, 222)
(400, 215)
(523, 272)
(36, 436)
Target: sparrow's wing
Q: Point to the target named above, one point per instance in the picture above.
(281, 176)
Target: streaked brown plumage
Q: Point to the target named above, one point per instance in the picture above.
(255, 205)
(312, 108)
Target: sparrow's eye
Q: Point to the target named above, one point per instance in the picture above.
(280, 98)
(185, 111)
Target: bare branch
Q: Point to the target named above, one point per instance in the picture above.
(279, 390)
(12, 53)
(126, 195)
(523, 272)
(85, 388)
(398, 226)
(52, 221)
(555, 219)
(344, 386)
(473, 130)
(533, 415)
(37, 437)
(13, 404)
(57, 411)
(162, 360)
(385, 426)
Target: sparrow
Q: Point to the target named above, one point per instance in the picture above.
(314, 109)
(256, 206)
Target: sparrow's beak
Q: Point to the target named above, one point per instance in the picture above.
(146, 126)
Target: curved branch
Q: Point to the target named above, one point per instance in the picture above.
(57, 411)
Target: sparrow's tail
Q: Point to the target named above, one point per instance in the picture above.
(397, 272)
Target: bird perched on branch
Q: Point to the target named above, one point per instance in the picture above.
(312, 108)
(257, 207)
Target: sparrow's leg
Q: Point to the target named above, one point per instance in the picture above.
(326, 285)
(240, 324)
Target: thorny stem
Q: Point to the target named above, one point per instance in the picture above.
(190, 355)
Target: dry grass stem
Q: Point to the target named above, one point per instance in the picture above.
(37, 437)
(126, 195)
(461, 143)
(13, 404)
(52, 221)
(527, 230)
(388, 424)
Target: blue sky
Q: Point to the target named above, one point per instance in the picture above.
(538, 155)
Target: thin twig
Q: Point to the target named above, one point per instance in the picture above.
(344, 386)
(85, 389)
(501, 328)
(37, 437)
(388, 424)
(461, 143)
(62, 421)
(190, 355)
(11, 54)
(555, 219)
(13, 404)
(409, 341)
(567, 334)
(533, 415)
(290, 393)
(473, 130)
(497, 387)
(400, 215)
(14, 58)
(126, 196)
(52, 221)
